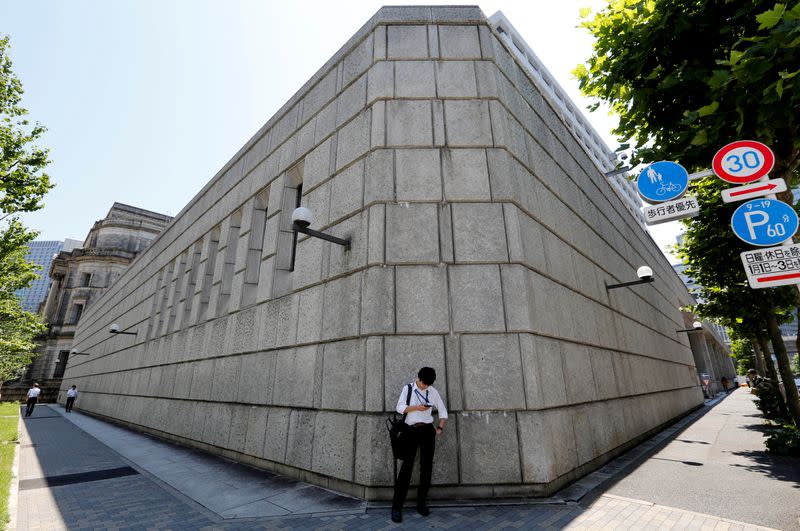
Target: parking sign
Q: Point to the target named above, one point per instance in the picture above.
(764, 222)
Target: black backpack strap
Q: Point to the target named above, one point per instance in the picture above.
(408, 401)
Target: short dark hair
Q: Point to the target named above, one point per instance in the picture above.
(427, 375)
(751, 371)
(73, 387)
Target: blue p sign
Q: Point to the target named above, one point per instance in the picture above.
(764, 222)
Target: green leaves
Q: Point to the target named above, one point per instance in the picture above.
(770, 18)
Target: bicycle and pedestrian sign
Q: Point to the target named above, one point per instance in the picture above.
(743, 161)
(662, 181)
(764, 222)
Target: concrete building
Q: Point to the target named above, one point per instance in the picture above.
(79, 277)
(41, 253)
(483, 236)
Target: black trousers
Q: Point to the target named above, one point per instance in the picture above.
(424, 438)
(31, 404)
(70, 401)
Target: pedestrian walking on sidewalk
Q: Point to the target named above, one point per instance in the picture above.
(72, 394)
(32, 397)
(422, 434)
(724, 382)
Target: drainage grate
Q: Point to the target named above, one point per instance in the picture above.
(69, 479)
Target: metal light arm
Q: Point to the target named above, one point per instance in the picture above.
(322, 236)
(631, 283)
(122, 332)
(690, 330)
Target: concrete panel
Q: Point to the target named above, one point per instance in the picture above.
(604, 377)
(343, 375)
(412, 233)
(548, 444)
(342, 305)
(466, 174)
(244, 331)
(373, 374)
(256, 378)
(300, 438)
(377, 301)
(379, 177)
(256, 430)
(239, 424)
(456, 79)
(294, 376)
(407, 42)
(417, 175)
(467, 123)
(358, 61)
(377, 228)
(479, 233)
(347, 191)
(476, 299)
(372, 452)
(183, 380)
(333, 444)
(405, 356)
(578, 374)
(487, 458)
(226, 378)
(422, 299)
(276, 435)
(459, 42)
(309, 318)
(408, 123)
(353, 140)
(202, 380)
(414, 79)
(492, 358)
(380, 81)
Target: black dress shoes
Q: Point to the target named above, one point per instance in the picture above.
(423, 510)
(397, 516)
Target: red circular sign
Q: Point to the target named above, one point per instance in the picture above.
(742, 162)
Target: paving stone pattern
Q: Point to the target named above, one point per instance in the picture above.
(56, 445)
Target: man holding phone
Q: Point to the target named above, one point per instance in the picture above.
(422, 435)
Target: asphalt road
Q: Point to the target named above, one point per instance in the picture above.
(718, 466)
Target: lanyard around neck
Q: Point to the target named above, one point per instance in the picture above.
(422, 398)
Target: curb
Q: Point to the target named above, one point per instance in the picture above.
(13, 491)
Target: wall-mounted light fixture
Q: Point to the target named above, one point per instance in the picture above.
(302, 219)
(644, 273)
(115, 330)
(697, 326)
(74, 352)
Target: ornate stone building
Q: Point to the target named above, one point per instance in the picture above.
(79, 278)
(482, 239)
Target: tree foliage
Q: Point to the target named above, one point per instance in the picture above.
(23, 185)
(742, 352)
(689, 76)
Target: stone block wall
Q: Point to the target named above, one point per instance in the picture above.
(482, 239)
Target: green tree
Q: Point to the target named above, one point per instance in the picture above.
(742, 351)
(23, 185)
(687, 77)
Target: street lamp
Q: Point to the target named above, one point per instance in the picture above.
(644, 273)
(115, 330)
(697, 326)
(302, 218)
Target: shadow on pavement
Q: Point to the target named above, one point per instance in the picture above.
(773, 466)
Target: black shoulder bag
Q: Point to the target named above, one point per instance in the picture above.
(398, 431)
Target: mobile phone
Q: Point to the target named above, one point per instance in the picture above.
(427, 405)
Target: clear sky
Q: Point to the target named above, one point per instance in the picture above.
(146, 99)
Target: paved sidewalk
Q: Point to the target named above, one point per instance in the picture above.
(77, 472)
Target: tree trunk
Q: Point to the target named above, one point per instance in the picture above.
(769, 367)
(792, 398)
(759, 355)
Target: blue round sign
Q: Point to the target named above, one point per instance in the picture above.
(764, 222)
(662, 181)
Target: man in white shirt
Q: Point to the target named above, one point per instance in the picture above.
(72, 394)
(422, 435)
(32, 396)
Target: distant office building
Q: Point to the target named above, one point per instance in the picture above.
(42, 253)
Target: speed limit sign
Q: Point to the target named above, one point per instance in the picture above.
(742, 162)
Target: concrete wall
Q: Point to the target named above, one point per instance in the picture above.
(482, 236)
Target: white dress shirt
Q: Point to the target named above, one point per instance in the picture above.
(33, 392)
(72, 393)
(418, 397)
